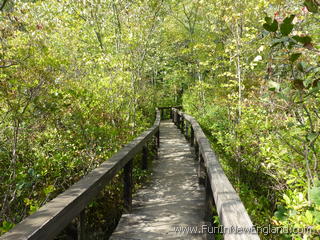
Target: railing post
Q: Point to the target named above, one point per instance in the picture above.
(171, 115)
(191, 137)
(158, 138)
(175, 117)
(127, 192)
(178, 120)
(82, 226)
(187, 130)
(182, 124)
(162, 114)
(196, 151)
(144, 160)
(201, 169)
(155, 143)
(209, 205)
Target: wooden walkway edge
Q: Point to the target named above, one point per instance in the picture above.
(172, 200)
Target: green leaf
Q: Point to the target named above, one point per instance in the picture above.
(309, 217)
(317, 216)
(304, 39)
(312, 136)
(281, 214)
(273, 27)
(315, 195)
(291, 181)
(294, 57)
(6, 226)
(311, 5)
(286, 28)
(268, 20)
(302, 66)
(49, 190)
(289, 20)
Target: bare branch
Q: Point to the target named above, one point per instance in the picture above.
(10, 65)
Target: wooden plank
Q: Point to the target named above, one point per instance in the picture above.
(171, 198)
(54, 216)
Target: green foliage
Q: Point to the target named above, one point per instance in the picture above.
(315, 195)
(78, 79)
(271, 26)
(73, 90)
(312, 5)
(260, 110)
(286, 27)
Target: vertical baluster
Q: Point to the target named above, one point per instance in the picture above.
(158, 138)
(201, 169)
(82, 226)
(192, 136)
(174, 116)
(144, 160)
(178, 120)
(209, 207)
(187, 130)
(196, 150)
(127, 192)
(155, 145)
(182, 124)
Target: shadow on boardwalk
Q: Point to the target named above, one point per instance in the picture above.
(173, 198)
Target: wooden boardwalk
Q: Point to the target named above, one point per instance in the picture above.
(172, 199)
(167, 206)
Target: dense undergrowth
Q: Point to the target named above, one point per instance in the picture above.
(68, 100)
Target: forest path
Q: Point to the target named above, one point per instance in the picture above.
(173, 198)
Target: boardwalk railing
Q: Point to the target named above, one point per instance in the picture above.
(219, 191)
(54, 216)
(166, 112)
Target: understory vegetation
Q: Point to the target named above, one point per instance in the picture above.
(79, 79)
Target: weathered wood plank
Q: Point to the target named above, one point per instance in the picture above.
(171, 199)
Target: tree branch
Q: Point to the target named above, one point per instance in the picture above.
(3, 4)
(10, 65)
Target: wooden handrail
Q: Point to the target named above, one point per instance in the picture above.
(176, 107)
(231, 211)
(54, 216)
(166, 109)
